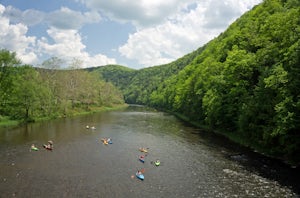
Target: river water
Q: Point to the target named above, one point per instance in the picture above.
(193, 163)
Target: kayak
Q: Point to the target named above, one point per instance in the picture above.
(47, 147)
(157, 163)
(34, 148)
(104, 141)
(142, 158)
(143, 150)
(139, 176)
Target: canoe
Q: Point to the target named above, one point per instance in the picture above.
(142, 158)
(143, 150)
(139, 176)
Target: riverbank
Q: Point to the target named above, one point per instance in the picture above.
(242, 141)
(6, 122)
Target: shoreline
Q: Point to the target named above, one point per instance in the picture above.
(5, 122)
(241, 141)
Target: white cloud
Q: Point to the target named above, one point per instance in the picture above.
(222, 13)
(141, 13)
(13, 38)
(28, 17)
(159, 45)
(67, 45)
(66, 18)
(183, 32)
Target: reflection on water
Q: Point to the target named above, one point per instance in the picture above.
(193, 163)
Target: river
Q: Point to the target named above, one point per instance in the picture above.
(194, 163)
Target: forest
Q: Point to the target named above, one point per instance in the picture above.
(28, 94)
(244, 84)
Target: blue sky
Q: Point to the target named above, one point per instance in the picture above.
(136, 34)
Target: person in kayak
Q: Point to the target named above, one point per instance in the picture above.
(139, 172)
(49, 145)
(33, 147)
(157, 162)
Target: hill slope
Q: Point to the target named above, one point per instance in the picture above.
(138, 85)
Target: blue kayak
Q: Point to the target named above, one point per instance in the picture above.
(139, 176)
(109, 141)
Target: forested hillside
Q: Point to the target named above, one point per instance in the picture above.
(244, 84)
(28, 93)
(119, 75)
(138, 85)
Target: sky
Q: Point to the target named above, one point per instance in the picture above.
(132, 33)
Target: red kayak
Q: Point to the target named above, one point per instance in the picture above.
(142, 158)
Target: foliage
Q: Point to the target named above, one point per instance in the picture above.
(138, 85)
(29, 93)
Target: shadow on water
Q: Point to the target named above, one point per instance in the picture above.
(267, 167)
(270, 168)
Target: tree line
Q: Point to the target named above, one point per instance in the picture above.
(28, 93)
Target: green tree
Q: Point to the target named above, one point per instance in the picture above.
(26, 94)
(7, 61)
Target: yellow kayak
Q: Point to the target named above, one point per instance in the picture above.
(104, 141)
(143, 150)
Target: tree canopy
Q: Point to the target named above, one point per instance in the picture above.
(28, 93)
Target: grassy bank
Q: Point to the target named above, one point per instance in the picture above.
(5, 121)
